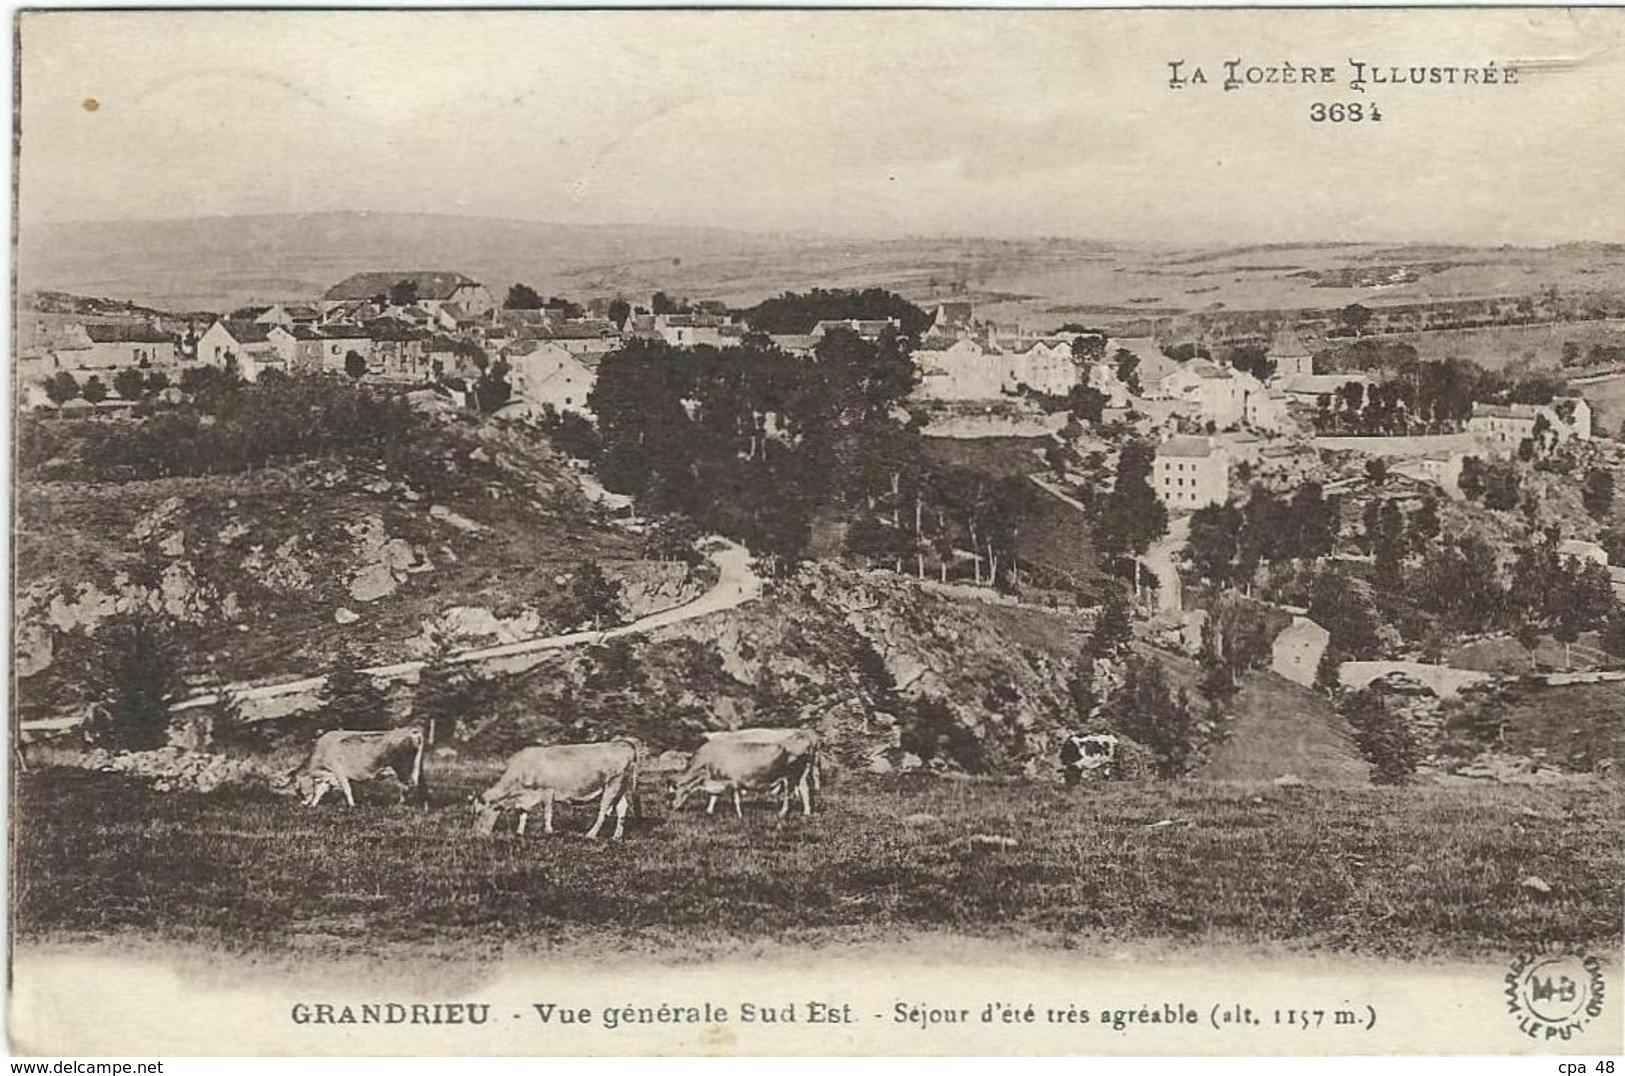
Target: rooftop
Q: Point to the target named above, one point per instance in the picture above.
(1186, 447)
(135, 333)
(247, 332)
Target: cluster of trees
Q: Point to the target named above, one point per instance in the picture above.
(1237, 636)
(234, 426)
(748, 441)
(572, 433)
(1596, 355)
(1383, 735)
(1597, 494)
(941, 515)
(1132, 516)
(1392, 531)
(592, 598)
(1228, 542)
(131, 383)
(1417, 396)
(524, 297)
(795, 312)
(1112, 688)
(1563, 595)
(1495, 483)
(63, 386)
(1458, 586)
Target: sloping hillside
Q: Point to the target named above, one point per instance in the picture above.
(1279, 729)
(268, 572)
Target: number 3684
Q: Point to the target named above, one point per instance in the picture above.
(1338, 112)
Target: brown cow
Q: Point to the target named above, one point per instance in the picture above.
(752, 760)
(574, 773)
(342, 756)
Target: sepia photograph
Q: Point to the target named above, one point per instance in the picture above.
(807, 532)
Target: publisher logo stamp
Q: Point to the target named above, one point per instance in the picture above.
(1554, 997)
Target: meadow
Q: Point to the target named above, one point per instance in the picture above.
(1422, 872)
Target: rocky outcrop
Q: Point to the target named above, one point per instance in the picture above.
(177, 769)
(384, 561)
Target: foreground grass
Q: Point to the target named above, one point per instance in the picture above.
(1419, 872)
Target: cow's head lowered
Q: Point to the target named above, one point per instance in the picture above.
(689, 782)
(295, 782)
(486, 814)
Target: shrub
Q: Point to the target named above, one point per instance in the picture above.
(129, 383)
(931, 731)
(61, 387)
(351, 699)
(571, 434)
(1383, 736)
(1147, 710)
(137, 665)
(592, 596)
(252, 425)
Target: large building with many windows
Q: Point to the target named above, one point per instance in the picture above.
(1191, 473)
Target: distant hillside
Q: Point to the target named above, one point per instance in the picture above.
(223, 262)
(220, 263)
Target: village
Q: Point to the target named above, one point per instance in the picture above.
(1228, 421)
(413, 329)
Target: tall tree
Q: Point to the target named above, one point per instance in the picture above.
(523, 297)
(1347, 609)
(129, 383)
(139, 668)
(1388, 546)
(1150, 712)
(351, 698)
(1127, 366)
(1597, 493)
(1114, 628)
(1214, 544)
(1134, 515)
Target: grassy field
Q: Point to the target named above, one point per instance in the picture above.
(1416, 873)
(1497, 346)
(1607, 400)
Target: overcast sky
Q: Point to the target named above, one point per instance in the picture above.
(872, 124)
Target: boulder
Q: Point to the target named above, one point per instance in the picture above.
(372, 582)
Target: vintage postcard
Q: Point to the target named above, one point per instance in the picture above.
(818, 532)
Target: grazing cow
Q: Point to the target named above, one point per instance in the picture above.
(346, 755)
(815, 771)
(752, 760)
(1087, 754)
(574, 773)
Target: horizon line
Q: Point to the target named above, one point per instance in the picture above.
(790, 232)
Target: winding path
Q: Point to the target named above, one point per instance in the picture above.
(736, 584)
